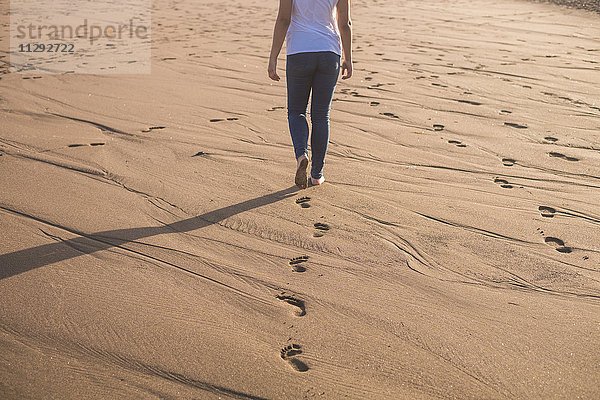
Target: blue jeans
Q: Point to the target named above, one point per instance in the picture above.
(316, 71)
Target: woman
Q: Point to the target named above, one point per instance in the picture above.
(313, 30)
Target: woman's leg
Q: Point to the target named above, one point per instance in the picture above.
(323, 84)
(299, 75)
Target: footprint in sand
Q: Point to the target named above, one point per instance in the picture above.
(503, 183)
(350, 92)
(276, 108)
(303, 201)
(513, 125)
(221, 119)
(389, 114)
(374, 103)
(297, 263)
(551, 139)
(438, 127)
(473, 103)
(288, 353)
(505, 112)
(458, 143)
(200, 153)
(321, 228)
(559, 244)
(301, 306)
(560, 155)
(91, 144)
(377, 85)
(508, 162)
(152, 128)
(547, 212)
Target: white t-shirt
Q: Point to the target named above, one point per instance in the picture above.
(313, 27)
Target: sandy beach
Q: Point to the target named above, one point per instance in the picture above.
(154, 244)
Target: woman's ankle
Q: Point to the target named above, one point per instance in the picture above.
(317, 182)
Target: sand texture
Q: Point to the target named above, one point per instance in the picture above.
(154, 245)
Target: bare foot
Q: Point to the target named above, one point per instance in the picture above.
(317, 182)
(301, 175)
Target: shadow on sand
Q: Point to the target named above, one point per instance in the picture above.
(28, 259)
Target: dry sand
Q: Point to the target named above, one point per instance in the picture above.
(458, 254)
